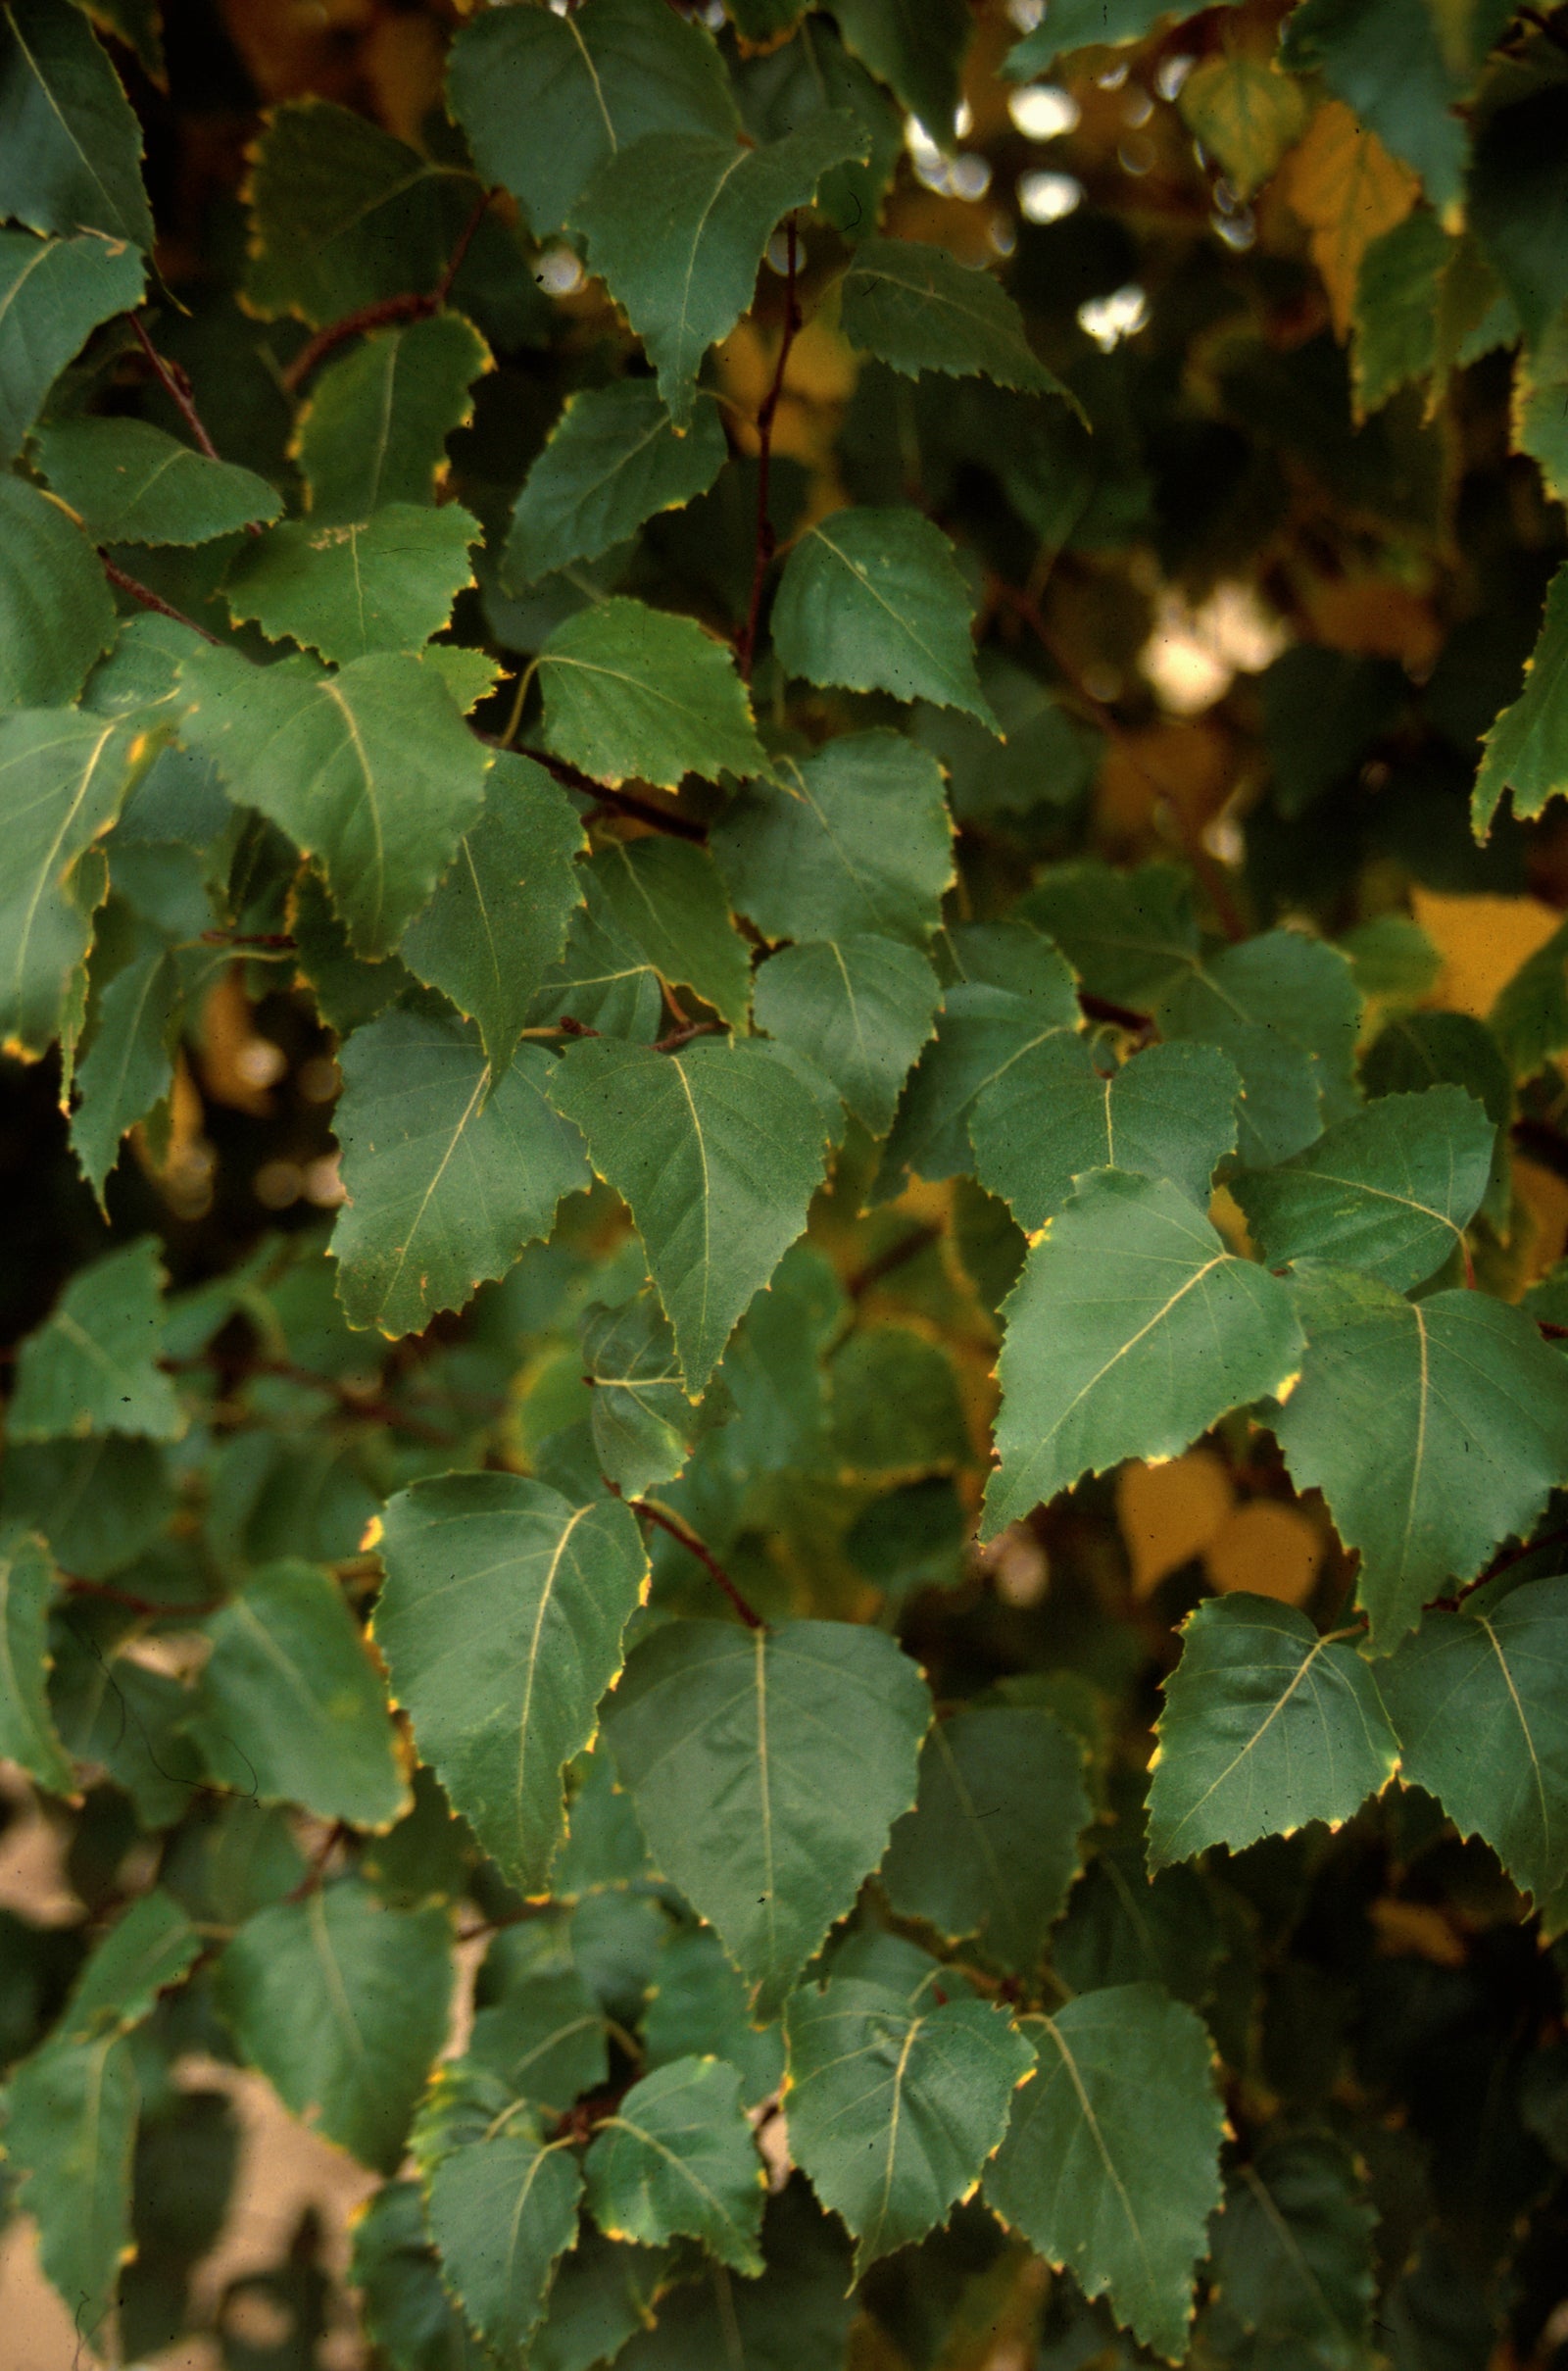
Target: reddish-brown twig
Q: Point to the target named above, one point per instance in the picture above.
(623, 802)
(151, 1609)
(704, 1555)
(908, 1247)
(150, 600)
(746, 647)
(412, 305)
(178, 387)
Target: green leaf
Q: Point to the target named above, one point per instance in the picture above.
(677, 2158)
(810, 855)
(371, 772)
(1526, 751)
(544, 2039)
(344, 215)
(644, 1426)
(601, 980)
(1517, 201)
(1077, 24)
(860, 1007)
(1434, 1430)
(634, 691)
(603, 2295)
(131, 483)
(664, 898)
(449, 1169)
(1293, 2251)
(92, 1366)
(895, 1404)
(342, 2004)
(917, 47)
(782, 86)
(875, 600)
(1014, 1765)
(27, 1730)
(1389, 1191)
(1539, 409)
(408, 2313)
(698, 2008)
(766, 1768)
(498, 918)
(1131, 1331)
(70, 146)
(99, 1503)
(919, 309)
(717, 1147)
(1478, 1701)
(1286, 1009)
(1385, 59)
(609, 74)
(894, 2110)
(1048, 759)
(1130, 936)
(295, 1710)
(1012, 992)
(676, 226)
(500, 1664)
(502, 2209)
(71, 2126)
(1422, 1050)
(1324, 710)
(56, 616)
(614, 457)
(1247, 114)
(149, 1947)
(1169, 1111)
(1530, 1019)
(1266, 1726)
(386, 584)
(798, 2312)
(375, 428)
(129, 1065)
(1397, 298)
(1111, 2164)
(53, 293)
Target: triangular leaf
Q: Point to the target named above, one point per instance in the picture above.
(1130, 1332)
(71, 2126)
(1111, 2164)
(676, 226)
(613, 459)
(500, 1623)
(544, 2037)
(634, 691)
(56, 616)
(919, 309)
(1293, 2250)
(644, 1426)
(127, 1065)
(93, 1366)
(498, 919)
(1389, 1191)
(1005, 1883)
(875, 600)
(859, 1008)
(677, 2158)
(813, 856)
(370, 770)
(766, 1768)
(449, 1169)
(376, 426)
(717, 1147)
(607, 76)
(289, 1675)
(500, 2204)
(1169, 1111)
(342, 2004)
(665, 898)
(1434, 1429)
(1480, 1702)
(386, 584)
(1527, 748)
(894, 2110)
(53, 293)
(69, 144)
(1266, 1725)
(917, 46)
(131, 483)
(150, 1947)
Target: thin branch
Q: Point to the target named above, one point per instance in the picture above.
(373, 1410)
(279, 939)
(683, 1036)
(311, 1882)
(178, 387)
(1501, 1565)
(766, 542)
(1554, 28)
(151, 1609)
(1120, 1016)
(150, 600)
(908, 1247)
(704, 1555)
(410, 307)
(623, 802)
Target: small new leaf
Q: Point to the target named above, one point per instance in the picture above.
(677, 2159)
